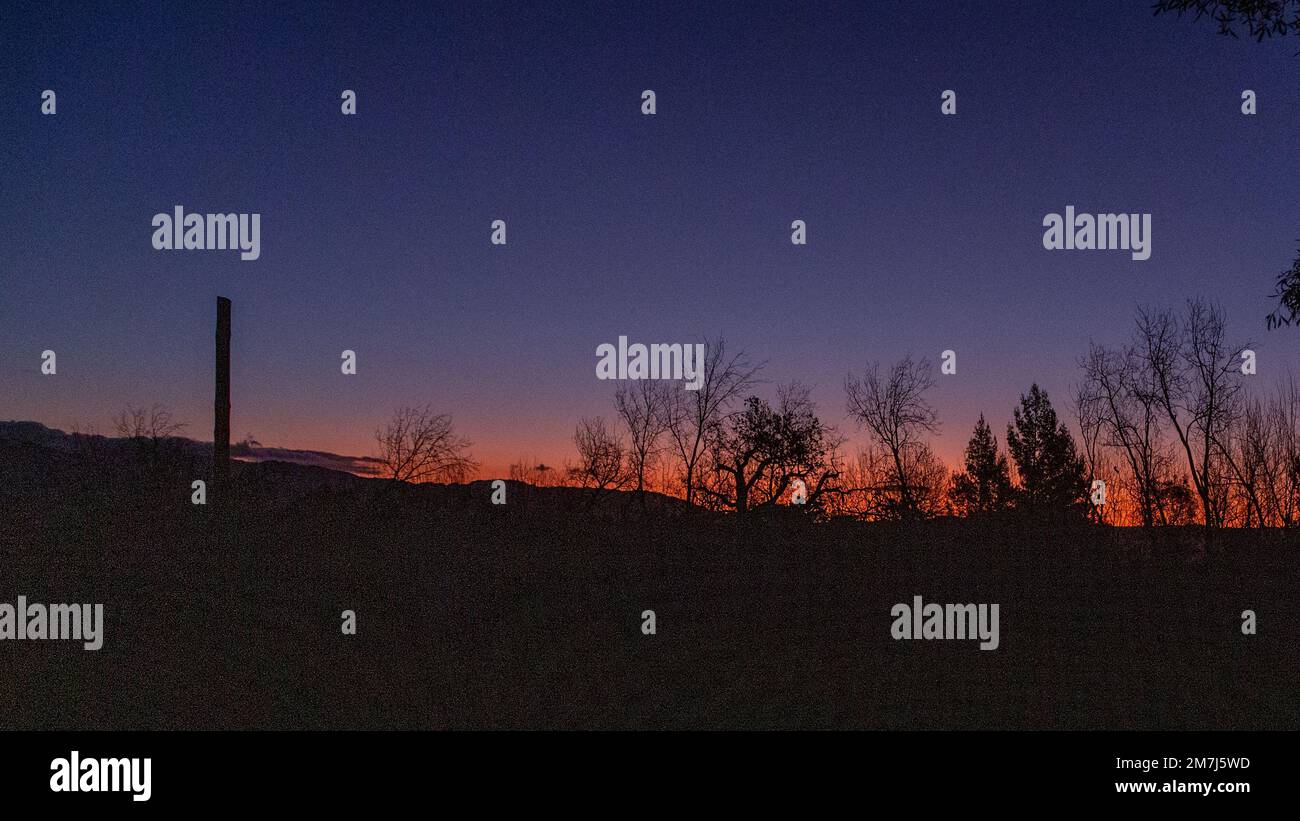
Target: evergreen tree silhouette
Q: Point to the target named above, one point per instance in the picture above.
(985, 485)
(1050, 470)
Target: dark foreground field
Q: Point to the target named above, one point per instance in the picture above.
(528, 615)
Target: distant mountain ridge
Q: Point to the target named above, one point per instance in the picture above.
(38, 434)
(36, 459)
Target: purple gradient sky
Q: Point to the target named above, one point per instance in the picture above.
(924, 231)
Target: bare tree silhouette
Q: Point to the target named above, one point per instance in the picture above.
(152, 431)
(152, 425)
(695, 417)
(1118, 401)
(420, 446)
(894, 410)
(1281, 476)
(602, 459)
(1192, 371)
(643, 406)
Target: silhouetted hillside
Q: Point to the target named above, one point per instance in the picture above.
(529, 614)
(42, 455)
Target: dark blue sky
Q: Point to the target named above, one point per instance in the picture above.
(924, 231)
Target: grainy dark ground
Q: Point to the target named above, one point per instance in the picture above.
(528, 615)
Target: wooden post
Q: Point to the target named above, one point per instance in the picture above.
(221, 404)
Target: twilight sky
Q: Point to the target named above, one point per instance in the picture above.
(925, 231)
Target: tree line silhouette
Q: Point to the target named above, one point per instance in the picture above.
(1171, 425)
(1164, 420)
